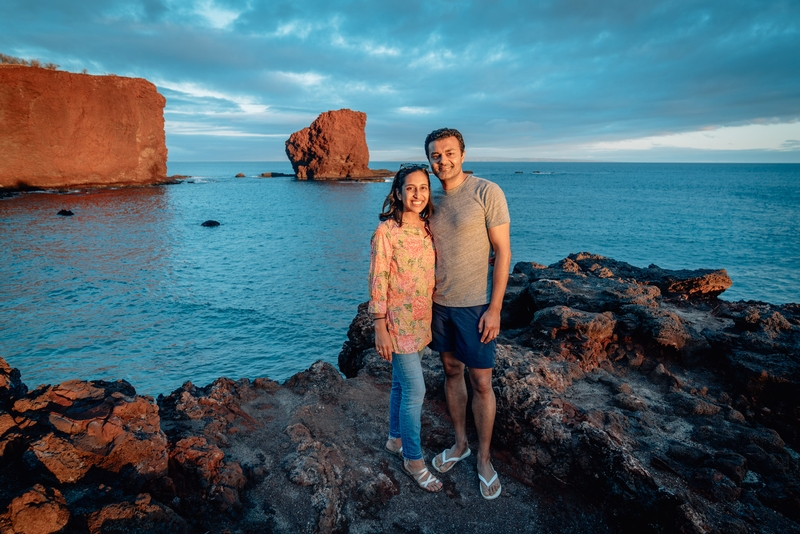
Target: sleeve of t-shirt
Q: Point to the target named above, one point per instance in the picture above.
(496, 206)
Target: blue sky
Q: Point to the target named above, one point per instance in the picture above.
(575, 79)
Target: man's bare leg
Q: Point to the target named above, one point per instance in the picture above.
(455, 391)
(484, 408)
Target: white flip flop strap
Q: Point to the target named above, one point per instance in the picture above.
(488, 484)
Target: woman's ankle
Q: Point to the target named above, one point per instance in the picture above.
(394, 443)
(415, 465)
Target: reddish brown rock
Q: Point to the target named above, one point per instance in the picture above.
(333, 147)
(576, 333)
(94, 424)
(62, 129)
(198, 468)
(675, 284)
(141, 515)
(11, 386)
(38, 511)
(10, 438)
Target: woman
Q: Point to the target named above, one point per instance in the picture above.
(401, 279)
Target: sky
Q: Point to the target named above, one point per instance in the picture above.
(611, 80)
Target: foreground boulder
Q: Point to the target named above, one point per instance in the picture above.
(78, 426)
(39, 511)
(91, 456)
(333, 147)
(62, 129)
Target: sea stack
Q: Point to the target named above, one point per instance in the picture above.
(63, 129)
(333, 147)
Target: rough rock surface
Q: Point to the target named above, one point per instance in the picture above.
(333, 147)
(76, 425)
(629, 400)
(63, 129)
(38, 511)
(139, 514)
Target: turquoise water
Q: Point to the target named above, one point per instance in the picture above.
(133, 287)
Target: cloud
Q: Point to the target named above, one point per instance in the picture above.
(197, 128)
(413, 110)
(304, 79)
(791, 144)
(217, 16)
(748, 137)
(579, 77)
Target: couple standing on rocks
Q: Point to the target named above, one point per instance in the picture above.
(438, 272)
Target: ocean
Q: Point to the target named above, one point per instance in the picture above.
(133, 287)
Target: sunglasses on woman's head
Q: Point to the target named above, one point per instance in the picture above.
(413, 166)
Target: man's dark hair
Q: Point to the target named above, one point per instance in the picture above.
(441, 133)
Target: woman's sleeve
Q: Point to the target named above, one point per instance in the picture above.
(380, 259)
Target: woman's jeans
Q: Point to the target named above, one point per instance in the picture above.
(405, 404)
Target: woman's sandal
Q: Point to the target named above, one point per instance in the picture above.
(398, 452)
(423, 477)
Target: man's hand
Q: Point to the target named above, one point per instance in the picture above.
(489, 325)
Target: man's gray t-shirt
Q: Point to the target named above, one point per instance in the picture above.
(460, 226)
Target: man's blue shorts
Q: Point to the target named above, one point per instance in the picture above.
(456, 330)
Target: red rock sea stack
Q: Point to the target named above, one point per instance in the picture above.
(333, 147)
(62, 129)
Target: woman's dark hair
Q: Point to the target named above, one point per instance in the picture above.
(393, 205)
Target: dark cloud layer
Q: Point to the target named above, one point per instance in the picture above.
(521, 79)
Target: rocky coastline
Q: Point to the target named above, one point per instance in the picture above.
(629, 400)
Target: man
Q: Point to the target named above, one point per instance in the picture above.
(469, 226)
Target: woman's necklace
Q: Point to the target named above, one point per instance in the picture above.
(414, 221)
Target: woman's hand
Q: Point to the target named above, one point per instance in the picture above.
(383, 341)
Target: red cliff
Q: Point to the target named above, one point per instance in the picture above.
(334, 146)
(61, 129)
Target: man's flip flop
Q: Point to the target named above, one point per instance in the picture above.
(445, 460)
(423, 478)
(496, 494)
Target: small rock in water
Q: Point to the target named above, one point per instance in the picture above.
(210, 223)
(66, 213)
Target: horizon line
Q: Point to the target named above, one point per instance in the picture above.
(514, 160)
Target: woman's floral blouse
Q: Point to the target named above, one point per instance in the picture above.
(401, 280)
